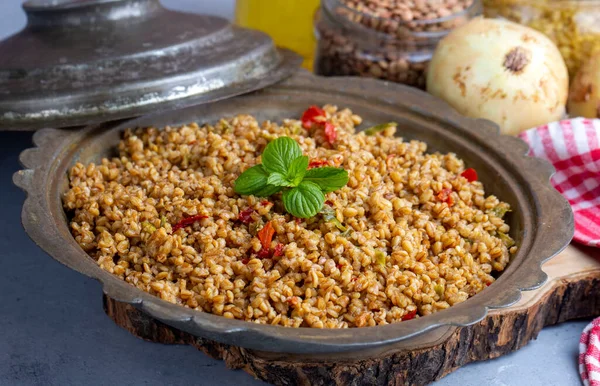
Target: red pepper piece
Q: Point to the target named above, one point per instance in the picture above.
(265, 235)
(246, 216)
(264, 253)
(317, 163)
(329, 202)
(470, 174)
(444, 196)
(410, 315)
(339, 266)
(309, 117)
(245, 260)
(278, 250)
(298, 220)
(265, 202)
(187, 221)
(330, 133)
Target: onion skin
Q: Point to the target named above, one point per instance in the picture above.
(584, 97)
(501, 71)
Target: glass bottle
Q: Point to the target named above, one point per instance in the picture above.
(288, 22)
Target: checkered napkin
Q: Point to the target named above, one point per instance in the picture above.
(589, 354)
(573, 147)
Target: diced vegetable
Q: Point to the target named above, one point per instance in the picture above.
(278, 250)
(499, 211)
(506, 239)
(445, 196)
(264, 253)
(329, 216)
(470, 174)
(253, 227)
(148, 228)
(380, 257)
(410, 315)
(347, 232)
(330, 133)
(317, 163)
(311, 116)
(245, 216)
(265, 235)
(187, 221)
(379, 128)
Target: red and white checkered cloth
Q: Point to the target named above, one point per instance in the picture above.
(573, 147)
(589, 354)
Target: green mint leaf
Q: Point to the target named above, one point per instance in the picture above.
(254, 181)
(279, 154)
(376, 129)
(328, 179)
(304, 201)
(278, 179)
(297, 170)
(267, 191)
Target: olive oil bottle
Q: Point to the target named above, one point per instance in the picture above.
(288, 22)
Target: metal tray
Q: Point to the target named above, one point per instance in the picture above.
(541, 223)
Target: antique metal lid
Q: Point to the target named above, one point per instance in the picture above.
(88, 61)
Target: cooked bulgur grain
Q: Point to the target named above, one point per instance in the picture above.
(418, 236)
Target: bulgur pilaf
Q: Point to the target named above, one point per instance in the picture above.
(410, 234)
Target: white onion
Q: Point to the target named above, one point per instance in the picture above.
(501, 71)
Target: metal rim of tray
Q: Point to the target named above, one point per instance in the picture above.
(547, 224)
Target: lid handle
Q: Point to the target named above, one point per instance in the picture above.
(76, 13)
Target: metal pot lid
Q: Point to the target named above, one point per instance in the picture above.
(88, 61)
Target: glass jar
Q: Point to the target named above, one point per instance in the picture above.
(573, 25)
(354, 42)
(288, 22)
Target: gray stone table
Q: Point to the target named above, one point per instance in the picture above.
(53, 330)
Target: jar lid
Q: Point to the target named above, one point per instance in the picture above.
(89, 61)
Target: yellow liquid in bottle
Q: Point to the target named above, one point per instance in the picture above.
(288, 22)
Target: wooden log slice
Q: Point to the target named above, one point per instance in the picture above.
(572, 291)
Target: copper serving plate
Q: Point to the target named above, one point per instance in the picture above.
(541, 221)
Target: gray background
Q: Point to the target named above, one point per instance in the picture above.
(53, 330)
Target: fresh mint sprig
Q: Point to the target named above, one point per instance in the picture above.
(284, 168)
